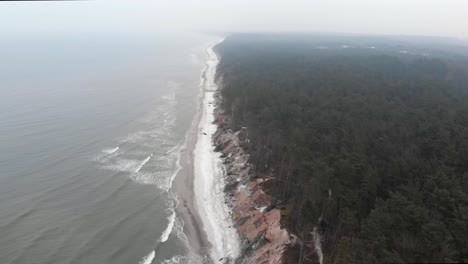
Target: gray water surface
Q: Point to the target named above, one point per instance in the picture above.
(90, 132)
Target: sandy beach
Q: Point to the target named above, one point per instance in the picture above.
(200, 183)
(186, 210)
(210, 178)
(184, 187)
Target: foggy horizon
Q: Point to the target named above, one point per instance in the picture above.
(406, 18)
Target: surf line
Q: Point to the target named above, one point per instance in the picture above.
(110, 151)
(143, 163)
(148, 259)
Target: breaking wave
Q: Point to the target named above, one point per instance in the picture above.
(110, 150)
(143, 163)
(167, 232)
(156, 141)
(178, 260)
(148, 258)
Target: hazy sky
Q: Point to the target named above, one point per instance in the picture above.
(409, 17)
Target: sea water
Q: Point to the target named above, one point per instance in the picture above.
(91, 130)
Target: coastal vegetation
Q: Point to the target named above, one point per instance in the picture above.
(366, 140)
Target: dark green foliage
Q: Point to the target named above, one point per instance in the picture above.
(371, 142)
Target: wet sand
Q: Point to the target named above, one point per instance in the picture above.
(184, 188)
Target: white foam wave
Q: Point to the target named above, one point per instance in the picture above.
(124, 165)
(178, 167)
(148, 258)
(171, 150)
(168, 166)
(170, 225)
(110, 150)
(143, 163)
(178, 230)
(209, 181)
(178, 260)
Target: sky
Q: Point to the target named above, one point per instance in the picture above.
(395, 17)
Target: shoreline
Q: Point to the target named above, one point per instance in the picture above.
(209, 177)
(257, 219)
(227, 216)
(201, 170)
(187, 210)
(256, 216)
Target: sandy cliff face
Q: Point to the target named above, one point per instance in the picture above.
(257, 220)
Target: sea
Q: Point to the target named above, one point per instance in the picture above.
(91, 131)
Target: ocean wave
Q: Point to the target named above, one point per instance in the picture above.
(171, 150)
(155, 136)
(165, 235)
(110, 150)
(178, 167)
(123, 165)
(105, 155)
(178, 230)
(143, 163)
(168, 166)
(148, 258)
(179, 260)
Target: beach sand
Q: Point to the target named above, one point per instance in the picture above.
(200, 183)
(188, 210)
(184, 187)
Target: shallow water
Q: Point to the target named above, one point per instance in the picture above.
(90, 136)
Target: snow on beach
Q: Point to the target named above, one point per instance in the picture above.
(209, 179)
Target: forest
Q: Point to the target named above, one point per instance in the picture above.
(366, 139)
